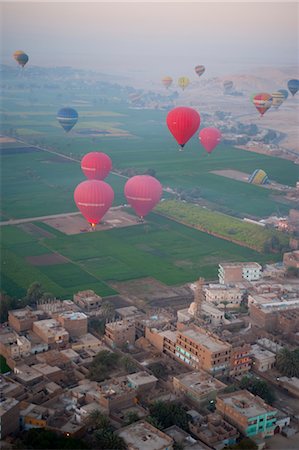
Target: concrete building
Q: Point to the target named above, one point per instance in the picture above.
(10, 388)
(143, 436)
(201, 350)
(75, 323)
(262, 359)
(33, 416)
(88, 300)
(120, 333)
(13, 346)
(127, 312)
(282, 315)
(229, 273)
(88, 342)
(159, 319)
(142, 381)
(184, 439)
(214, 431)
(198, 386)
(22, 319)
(210, 312)
(249, 413)
(241, 361)
(291, 259)
(9, 416)
(219, 293)
(116, 394)
(51, 332)
(269, 345)
(26, 375)
(52, 373)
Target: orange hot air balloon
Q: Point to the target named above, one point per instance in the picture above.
(199, 70)
(183, 122)
(167, 82)
(209, 138)
(96, 165)
(93, 198)
(143, 192)
(262, 102)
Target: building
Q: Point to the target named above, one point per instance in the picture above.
(160, 319)
(89, 343)
(13, 346)
(26, 375)
(198, 386)
(142, 381)
(219, 293)
(262, 359)
(143, 436)
(9, 416)
(241, 361)
(249, 413)
(269, 345)
(116, 394)
(120, 333)
(88, 300)
(33, 416)
(51, 332)
(22, 319)
(75, 323)
(127, 312)
(229, 273)
(291, 259)
(214, 431)
(207, 310)
(184, 439)
(278, 314)
(201, 350)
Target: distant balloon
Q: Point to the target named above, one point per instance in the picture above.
(93, 198)
(96, 165)
(199, 70)
(277, 99)
(183, 82)
(183, 122)
(21, 57)
(284, 92)
(209, 138)
(67, 117)
(143, 192)
(228, 85)
(167, 81)
(259, 176)
(293, 86)
(262, 102)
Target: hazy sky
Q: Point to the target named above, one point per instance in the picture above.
(152, 39)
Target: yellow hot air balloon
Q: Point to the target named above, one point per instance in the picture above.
(21, 57)
(167, 81)
(183, 82)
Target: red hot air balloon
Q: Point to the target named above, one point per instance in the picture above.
(96, 165)
(183, 122)
(93, 198)
(209, 138)
(262, 102)
(143, 192)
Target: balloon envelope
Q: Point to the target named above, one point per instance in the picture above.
(21, 57)
(209, 138)
(228, 85)
(284, 92)
(293, 86)
(277, 99)
(183, 122)
(259, 176)
(167, 81)
(93, 198)
(262, 102)
(67, 117)
(96, 165)
(143, 192)
(199, 70)
(183, 82)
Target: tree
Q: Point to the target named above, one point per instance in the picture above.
(131, 417)
(96, 419)
(128, 363)
(103, 363)
(107, 310)
(287, 362)
(258, 387)
(34, 292)
(159, 370)
(108, 440)
(169, 413)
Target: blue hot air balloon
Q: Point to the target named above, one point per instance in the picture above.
(293, 86)
(284, 93)
(67, 117)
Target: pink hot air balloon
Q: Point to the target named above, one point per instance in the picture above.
(209, 138)
(93, 198)
(143, 192)
(96, 165)
(183, 122)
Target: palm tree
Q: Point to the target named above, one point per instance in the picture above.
(108, 310)
(97, 420)
(287, 362)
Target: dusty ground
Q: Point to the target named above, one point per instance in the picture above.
(279, 442)
(50, 259)
(5, 139)
(75, 224)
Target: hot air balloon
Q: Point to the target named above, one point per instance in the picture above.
(93, 198)
(96, 165)
(167, 81)
(199, 70)
(67, 117)
(284, 92)
(183, 122)
(293, 86)
(227, 85)
(21, 57)
(277, 99)
(143, 192)
(209, 138)
(259, 176)
(262, 102)
(183, 82)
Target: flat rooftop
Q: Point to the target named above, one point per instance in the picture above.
(249, 265)
(205, 340)
(7, 404)
(168, 334)
(200, 382)
(140, 378)
(261, 353)
(26, 313)
(73, 315)
(143, 436)
(246, 404)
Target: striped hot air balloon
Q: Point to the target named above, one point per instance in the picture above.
(262, 102)
(277, 99)
(259, 176)
(167, 81)
(199, 70)
(67, 117)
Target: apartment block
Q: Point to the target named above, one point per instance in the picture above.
(219, 293)
(262, 360)
(143, 436)
(120, 333)
(51, 332)
(9, 416)
(22, 319)
(214, 431)
(241, 360)
(88, 300)
(229, 273)
(75, 323)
